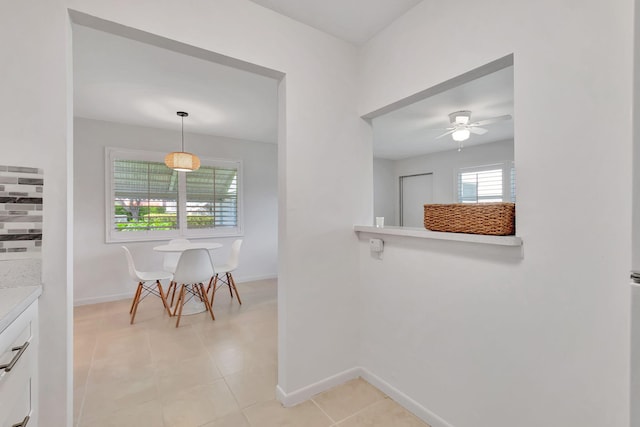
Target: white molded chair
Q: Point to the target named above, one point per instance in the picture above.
(169, 263)
(170, 260)
(193, 269)
(226, 269)
(142, 277)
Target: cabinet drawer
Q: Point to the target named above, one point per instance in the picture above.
(20, 330)
(18, 370)
(12, 353)
(16, 391)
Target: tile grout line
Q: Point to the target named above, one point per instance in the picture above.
(333, 422)
(86, 380)
(156, 380)
(222, 376)
(361, 410)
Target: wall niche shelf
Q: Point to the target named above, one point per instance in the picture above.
(422, 233)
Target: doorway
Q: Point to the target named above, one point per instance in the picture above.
(415, 191)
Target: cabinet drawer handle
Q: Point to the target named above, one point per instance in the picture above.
(23, 423)
(9, 366)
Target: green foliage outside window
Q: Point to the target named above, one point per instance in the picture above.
(156, 218)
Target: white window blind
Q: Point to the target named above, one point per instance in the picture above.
(145, 196)
(146, 200)
(212, 198)
(484, 184)
(477, 187)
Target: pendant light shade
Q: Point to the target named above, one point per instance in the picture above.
(181, 160)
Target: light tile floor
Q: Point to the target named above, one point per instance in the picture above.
(205, 373)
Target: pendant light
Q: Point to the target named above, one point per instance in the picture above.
(181, 160)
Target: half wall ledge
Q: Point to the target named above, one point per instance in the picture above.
(422, 233)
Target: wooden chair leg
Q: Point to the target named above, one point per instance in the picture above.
(229, 284)
(136, 301)
(164, 299)
(197, 291)
(233, 283)
(181, 304)
(175, 309)
(215, 288)
(172, 285)
(206, 301)
(201, 292)
(135, 297)
(210, 283)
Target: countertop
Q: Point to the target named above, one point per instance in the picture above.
(14, 301)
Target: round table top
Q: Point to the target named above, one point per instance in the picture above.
(181, 247)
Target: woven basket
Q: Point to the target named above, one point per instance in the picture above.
(498, 219)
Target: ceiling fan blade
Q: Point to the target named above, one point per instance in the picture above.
(438, 128)
(449, 132)
(491, 120)
(477, 130)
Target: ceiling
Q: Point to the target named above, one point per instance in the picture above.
(121, 80)
(412, 130)
(355, 21)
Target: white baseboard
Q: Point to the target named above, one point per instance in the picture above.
(306, 393)
(405, 401)
(118, 297)
(242, 279)
(106, 298)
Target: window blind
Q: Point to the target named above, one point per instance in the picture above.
(145, 196)
(146, 200)
(512, 179)
(212, 198)
(480, 186)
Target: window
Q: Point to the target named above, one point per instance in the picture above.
(484, 184)
(148, 201)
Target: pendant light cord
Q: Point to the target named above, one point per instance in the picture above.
(182, 117)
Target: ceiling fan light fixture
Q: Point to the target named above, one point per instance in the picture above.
(182, 161)
(460, 117)
(461, 134)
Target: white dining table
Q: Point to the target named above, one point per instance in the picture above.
(181, 247)
(193, 306)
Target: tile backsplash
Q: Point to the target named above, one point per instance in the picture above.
(21, 190)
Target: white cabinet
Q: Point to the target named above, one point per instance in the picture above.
(19, 370)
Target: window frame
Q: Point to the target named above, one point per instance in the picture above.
(113, 236)
(508, 179)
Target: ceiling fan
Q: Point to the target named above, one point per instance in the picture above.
(461, 126)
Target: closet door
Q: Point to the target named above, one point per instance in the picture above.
(415, 191)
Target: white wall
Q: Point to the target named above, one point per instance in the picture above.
(385, 190)
(34, 117)
(100, 269)
(317, 271)
(635, 263)
(473, 334)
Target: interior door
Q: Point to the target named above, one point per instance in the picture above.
(415, 191)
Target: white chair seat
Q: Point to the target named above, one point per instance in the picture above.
(223, 269)
(146, 276)
(223, 273)
(143, 289)
(193, 269)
